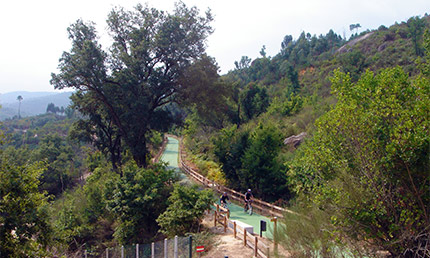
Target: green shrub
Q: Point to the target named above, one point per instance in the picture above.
(185, 211)
(210, 169)
(137, 199)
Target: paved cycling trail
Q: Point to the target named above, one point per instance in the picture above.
(171, 156)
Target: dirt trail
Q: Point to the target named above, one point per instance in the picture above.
(227, 245)
(230, 247)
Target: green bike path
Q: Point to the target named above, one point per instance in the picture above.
(171, 155)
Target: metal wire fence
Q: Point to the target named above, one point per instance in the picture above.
(178, 247)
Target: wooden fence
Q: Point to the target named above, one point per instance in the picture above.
(221, 216)
(263, 207)
(157, 157)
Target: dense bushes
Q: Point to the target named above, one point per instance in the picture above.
(24, 224)
(367, 164)
(251, 159)
(186, 209)
(135, 208)
(138, 198)
(80, 218)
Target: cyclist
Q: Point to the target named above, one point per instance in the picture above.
(223, 199)
(248, 199)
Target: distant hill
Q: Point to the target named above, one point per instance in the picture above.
(33, 103)
(10, 97)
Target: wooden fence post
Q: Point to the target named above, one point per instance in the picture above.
(234, 229)
(225, 224)
(275, 234)
(215, 217)
(244, 237)
(256, 246)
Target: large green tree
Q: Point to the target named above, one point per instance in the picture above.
(206, 93)
(19, 98)
(99, 124)
(261, 168)
(250, 159)
(229, 146)
(140, 73)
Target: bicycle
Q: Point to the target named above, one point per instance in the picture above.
(248, 207)
(224, 205)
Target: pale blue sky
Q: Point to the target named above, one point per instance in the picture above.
(34, 32)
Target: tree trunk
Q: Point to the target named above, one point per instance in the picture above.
(139, 151)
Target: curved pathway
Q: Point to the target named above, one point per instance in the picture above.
(171, 155)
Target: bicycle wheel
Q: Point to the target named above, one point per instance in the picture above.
(250, 210)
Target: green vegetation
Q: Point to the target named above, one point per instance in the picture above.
(80, 178)
(137, 200)
(125, 91)
(361, 178)
(24, 224)
(248, 163)
(95, 204)
(16, 105)
(367, 163)
(185, 211)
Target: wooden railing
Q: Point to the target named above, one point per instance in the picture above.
(262, 206)
(221, 216)
(157, 157)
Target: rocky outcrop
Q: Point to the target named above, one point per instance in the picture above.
(347, 47)
(295, 140)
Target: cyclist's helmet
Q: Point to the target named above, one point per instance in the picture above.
(249, 190)
(224, 193)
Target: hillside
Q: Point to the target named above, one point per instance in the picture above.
(363, 104)
(33, 103)
(309, 60)
(353, 170)
(374, 50)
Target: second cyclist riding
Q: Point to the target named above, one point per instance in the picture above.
(248, 200)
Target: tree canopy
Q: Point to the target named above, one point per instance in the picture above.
(139, 75)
